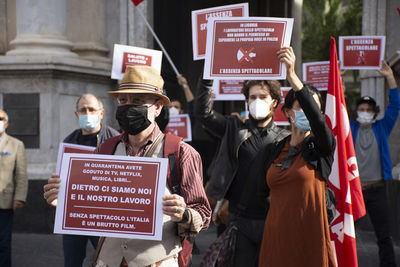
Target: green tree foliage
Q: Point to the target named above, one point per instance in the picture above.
(325, 18)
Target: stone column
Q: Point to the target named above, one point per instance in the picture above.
(374, 23)
(87, 29)
(41, 26)
(133, 30)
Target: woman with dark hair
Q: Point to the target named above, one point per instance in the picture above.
(296, 230)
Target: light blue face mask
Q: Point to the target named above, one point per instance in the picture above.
(301, 121)
(89, 122)
(1, 126)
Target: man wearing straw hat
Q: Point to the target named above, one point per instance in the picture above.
(140, 99)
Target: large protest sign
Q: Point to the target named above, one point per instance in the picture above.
(115, 196)
(125, 55)
(226, 90)
(180, 125)
(361, 52)
(200, 19)
(71, 148)
(280, 117)
(317, 74)
(246, 48)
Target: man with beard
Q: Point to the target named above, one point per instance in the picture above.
(241, 160)
(140, 100)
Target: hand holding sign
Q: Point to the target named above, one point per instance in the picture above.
(174, 206)
(287, 56)
(51, 190)
(387, 72)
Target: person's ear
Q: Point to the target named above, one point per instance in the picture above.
(101, 114)
(274, 103)
(76, 114)
(158, 107)
(287, 114)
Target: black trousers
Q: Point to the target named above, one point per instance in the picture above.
(375, 199)
(248, 242)
(6, 222)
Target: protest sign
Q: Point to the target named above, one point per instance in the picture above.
(200, 19)
(71, 148)
(361, 52)
(125, 55)
(317, 74)
(114, 196)
(280, 117)
(228, 90)
(246, 48)
(179, 125)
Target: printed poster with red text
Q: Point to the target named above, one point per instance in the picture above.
(317, 74)
(280, 117)
(246, 48)
(125, 55)
(361, 52)
(71, 148)
(228, 90)
(114, 196)
(180, 125)
(200, 19)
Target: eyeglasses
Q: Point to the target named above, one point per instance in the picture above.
(135, 100)
(89, 110)
(2, 118)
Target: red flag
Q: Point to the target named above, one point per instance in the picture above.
(344, 179)
(136, 2)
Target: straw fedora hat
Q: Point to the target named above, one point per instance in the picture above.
(141, 80)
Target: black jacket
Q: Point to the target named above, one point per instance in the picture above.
(105, 133)
(318, 148)
(232, 132)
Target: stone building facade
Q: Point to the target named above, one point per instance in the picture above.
(51, 52)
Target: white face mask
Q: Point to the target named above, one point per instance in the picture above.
(259, 109)
(1, 126)
(173, 111)
(364, 117)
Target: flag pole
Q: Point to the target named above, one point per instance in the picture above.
(158, 41)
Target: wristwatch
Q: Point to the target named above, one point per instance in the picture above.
(185, 217)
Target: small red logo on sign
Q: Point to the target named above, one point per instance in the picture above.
(135, 59)
(243, 55)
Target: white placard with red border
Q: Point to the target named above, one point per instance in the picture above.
(125, 55)
(317, 74)
(71, 148)
(199, 24)
(113, 196)
(361, 52)
(280, 117)
(180, 125)
(228, 90)
(246, 48)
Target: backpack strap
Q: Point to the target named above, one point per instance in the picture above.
(109, 146)
(171, 151)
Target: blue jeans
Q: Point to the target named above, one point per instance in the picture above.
(6, 221)
(75, 249)
(377, 208)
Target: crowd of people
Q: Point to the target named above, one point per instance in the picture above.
(269, 182)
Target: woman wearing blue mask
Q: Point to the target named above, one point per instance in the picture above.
(296, 230)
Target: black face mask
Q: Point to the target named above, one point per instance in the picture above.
(132, 118)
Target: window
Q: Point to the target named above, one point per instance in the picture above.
(23, 114)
